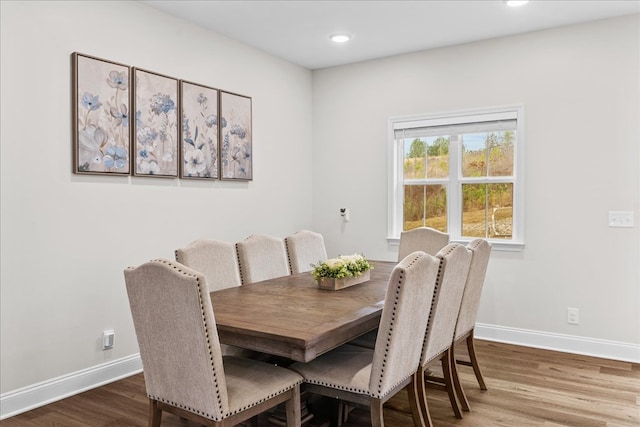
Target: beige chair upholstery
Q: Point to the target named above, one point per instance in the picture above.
(370, 377)
(261, 257)
(423, 239)
(452, 276)
(218, 262)
(184, 370)
(215, 259)
(303, 249)
(481, 250)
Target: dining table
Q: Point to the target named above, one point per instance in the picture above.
(292, 317)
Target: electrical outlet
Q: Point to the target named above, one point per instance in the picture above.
(108, 339)
(573, 316)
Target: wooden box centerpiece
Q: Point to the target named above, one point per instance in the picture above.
(341, 272)
(336, 284)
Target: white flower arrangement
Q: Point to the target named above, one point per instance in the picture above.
(343, 266)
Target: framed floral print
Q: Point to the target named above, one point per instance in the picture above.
(199, 131)
(101, 105)
(155, 101)
(236, 154)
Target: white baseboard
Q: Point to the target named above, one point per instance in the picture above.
(36, 395)
(559, 342)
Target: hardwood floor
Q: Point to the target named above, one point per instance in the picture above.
(527, 387)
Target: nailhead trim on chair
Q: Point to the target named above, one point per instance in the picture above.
(272, 395)
(393, 317)
(433, 300)
(476, 243)
(368, 392)
(286, 246)
(219, 400)
(215, 376)
(388, 340)
(239, 263)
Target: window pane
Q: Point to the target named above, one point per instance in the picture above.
(500, 204)
(487, 210)
(413, 206)
(474, 210)
(425, 206)
(415, 158)
(474, 154)
(500, 145)
(438, 157)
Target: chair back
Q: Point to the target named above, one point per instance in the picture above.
(303, 249)
(452, 276)
(423, 239)
(404, 319)
(481, 250)
(176, 332)
(261, 257)
(215, 259)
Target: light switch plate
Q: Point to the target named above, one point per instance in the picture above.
(620, 219)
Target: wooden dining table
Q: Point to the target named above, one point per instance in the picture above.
(291, 317)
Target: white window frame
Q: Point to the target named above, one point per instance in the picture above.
(395, 156)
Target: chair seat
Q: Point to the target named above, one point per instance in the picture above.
(345, 368)
(367, 340)
(250, 382)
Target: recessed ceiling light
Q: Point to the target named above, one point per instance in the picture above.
(340, 37)
(516, 3)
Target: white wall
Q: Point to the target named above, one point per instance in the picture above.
(580, 89)
(67, 238)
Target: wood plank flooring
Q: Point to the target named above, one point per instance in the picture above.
(527, 387)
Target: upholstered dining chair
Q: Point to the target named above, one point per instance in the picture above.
(261, 257)
(445, 306)
(218, 262)
(304, 248)
(370, 377)
(184, 370)
(481, 250)
(215, 259)
(425, 239)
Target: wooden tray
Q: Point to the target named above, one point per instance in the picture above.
(337, 284)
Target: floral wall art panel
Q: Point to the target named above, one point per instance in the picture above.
(199, 134)
(101, 106)
(236, 157)
(156, 125)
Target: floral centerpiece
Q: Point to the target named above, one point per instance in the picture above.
(341, 272)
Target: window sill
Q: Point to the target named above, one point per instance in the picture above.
(496, 245)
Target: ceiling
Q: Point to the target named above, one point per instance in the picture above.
(298, 31)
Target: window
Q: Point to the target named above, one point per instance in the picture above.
(460, 173)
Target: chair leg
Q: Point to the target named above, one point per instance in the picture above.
(377, 419)
(155, 414)
(416, 413)
(293, 409)
(338, 413)
(342, 412)
(448, 379)
(474, 361)
(421, 397)
(462, 397)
